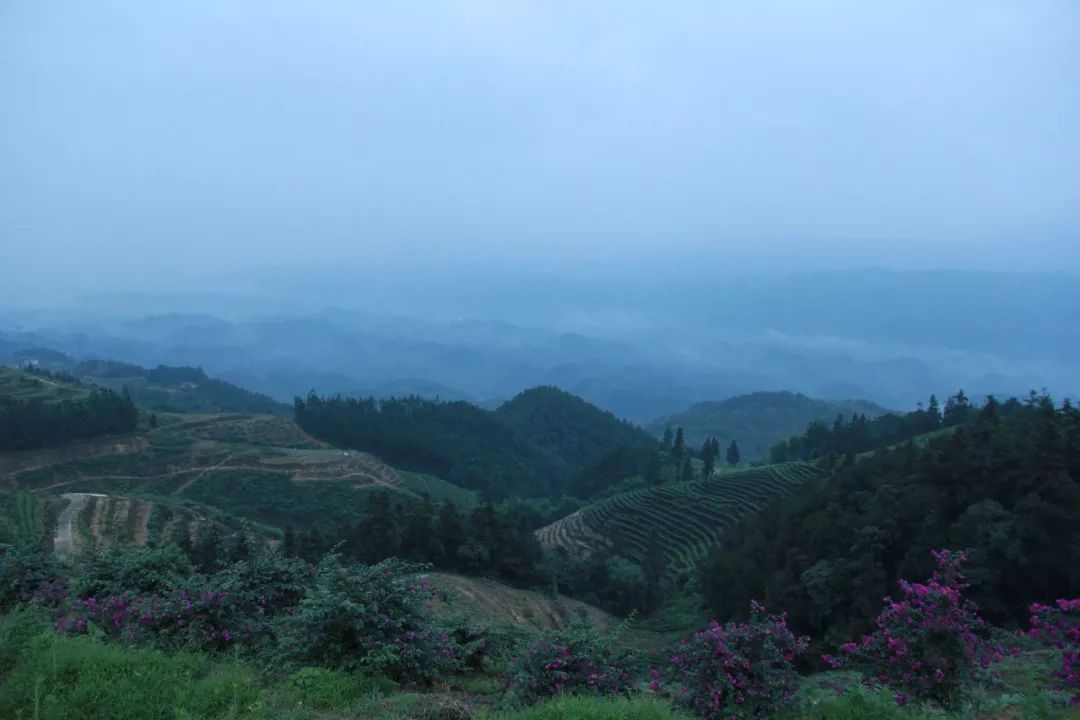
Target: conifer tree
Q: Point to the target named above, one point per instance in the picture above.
(733, 454)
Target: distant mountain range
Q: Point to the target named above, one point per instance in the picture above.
(641, 346)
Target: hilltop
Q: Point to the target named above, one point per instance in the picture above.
(544, 442)
(759, 419)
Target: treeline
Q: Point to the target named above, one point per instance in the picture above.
(490, 540)
(1005, 485)
(180, 389)
(33, 423)
(859, 434)
(544, 443)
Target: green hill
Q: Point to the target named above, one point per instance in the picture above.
(686, 518)
(176, 389)
(538, 444)
(564, 425)
(758, 420)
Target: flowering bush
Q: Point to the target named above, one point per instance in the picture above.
(1059, 625)
(376, 619)
(930, 644)
(233, 608)
(737, 670)
(577, 660)
(202, 619)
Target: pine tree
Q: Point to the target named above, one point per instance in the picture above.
(733, 454)
(709, 457)
(686, 472)
(933, 413)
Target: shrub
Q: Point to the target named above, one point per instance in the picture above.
(930, 645)
(575, 660)
(200, 618)
(1059, 625)
(143, 570)
(29, 575)
(373, 619)
(737, 670)
(142, 598)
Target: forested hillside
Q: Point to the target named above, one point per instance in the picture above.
(1004, 484)
(759, 419)
(564, 425)
(37, 409)
(542, 443)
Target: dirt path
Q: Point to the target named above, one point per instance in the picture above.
(64, 542)
(185, 485)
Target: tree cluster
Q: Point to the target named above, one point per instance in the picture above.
(33, 423)
(1005, 486)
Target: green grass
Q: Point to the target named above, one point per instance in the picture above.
(21, 385)
(591, 708)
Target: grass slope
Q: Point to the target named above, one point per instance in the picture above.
(21, 385)
(686, 517)
(758, 420)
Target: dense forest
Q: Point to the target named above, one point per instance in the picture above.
(33, 423)
(543, 443)
(1004, 484)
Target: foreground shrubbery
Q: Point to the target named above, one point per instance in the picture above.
(577, 660)
(932, 644)
(374, 619)
(737, 670)
(274, 637)
(1059, 626)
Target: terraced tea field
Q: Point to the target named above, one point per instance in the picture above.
(686, 517)
(262, 468)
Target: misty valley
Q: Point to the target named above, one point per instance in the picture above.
(540, 360)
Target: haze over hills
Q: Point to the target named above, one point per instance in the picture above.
(339, 343)
(641, 347)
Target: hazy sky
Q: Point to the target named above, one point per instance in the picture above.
(150, 140)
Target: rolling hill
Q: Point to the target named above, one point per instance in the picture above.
(538, 444)
(686, 518)
(759, 419)
(568, 427)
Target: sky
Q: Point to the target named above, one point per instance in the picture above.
(159, 144)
